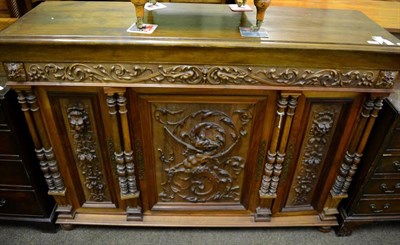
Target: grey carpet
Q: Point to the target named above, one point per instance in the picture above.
(380, 233)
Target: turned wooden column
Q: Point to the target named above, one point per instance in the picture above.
(286, 106)
(353, 155)
(44, 151)
(123, 152)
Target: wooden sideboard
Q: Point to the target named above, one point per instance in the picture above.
(375, 193)
(195, 125)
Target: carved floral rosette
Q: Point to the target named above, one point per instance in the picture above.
(204, 170)
(199, 74)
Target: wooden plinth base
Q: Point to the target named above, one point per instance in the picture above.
(195, 221)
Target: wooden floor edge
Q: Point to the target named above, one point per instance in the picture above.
(195, 221)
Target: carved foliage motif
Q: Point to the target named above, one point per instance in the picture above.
(85, 150)
(313, 154)
(15, 71)
(84, 72)
(204, 170)
(214, 75)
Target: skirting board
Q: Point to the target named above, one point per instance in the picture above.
(195, 221)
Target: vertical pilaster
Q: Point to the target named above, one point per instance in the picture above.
(44, 151)
(353, 155)
(116, 102)
(286, 107)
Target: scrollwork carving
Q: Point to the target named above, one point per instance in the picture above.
(84, 72)
(212, 75)
(206, 172)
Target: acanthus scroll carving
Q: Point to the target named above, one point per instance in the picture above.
(83, 72)
(85, 150)
(207, 172)
(212, 75)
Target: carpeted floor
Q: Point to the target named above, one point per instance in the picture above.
(381, 233)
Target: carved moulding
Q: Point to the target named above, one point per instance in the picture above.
(204, 170)
(200, 74)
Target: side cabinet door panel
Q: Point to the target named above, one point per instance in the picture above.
(82, 125)
(313, 146)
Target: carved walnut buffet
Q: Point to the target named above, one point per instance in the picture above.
(195, 125)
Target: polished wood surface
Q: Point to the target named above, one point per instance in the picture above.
(195, 119)
(198, 22)
(385, 13)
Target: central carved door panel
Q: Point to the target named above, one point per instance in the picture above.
(200, 152)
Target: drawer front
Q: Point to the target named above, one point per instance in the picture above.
(388, 164)
(12, 172)
(17, 202)
(378, 206)
(386, 187)
(394, 143)
(3, 119)
(8, 143)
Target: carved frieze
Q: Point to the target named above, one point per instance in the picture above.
(201, 74)
(85, 150)
(205, 168)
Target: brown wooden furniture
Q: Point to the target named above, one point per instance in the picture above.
(23, 191)
(375, 193)
(195, 125)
